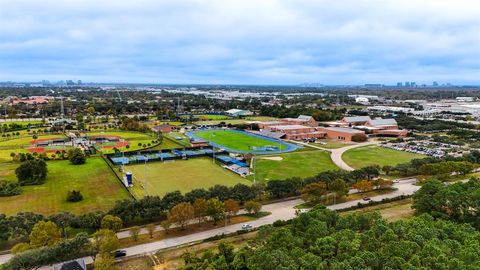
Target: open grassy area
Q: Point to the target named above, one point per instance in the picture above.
(97, 183)
(237, 141)
(179, 138)
(376, 155)
(183, 175)
(331, 144)
(207, 117)
(167, 144)
(392, 211)
(226, 121)
(296, 164)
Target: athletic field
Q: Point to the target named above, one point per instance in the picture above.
(297, 164)
(239, 141)
(376, 155)
(183, 175)
(97, 183)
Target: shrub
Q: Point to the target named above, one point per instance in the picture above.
(9, 188)
(359, 137)
(74, 196)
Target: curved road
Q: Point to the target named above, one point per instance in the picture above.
(279, 211)
(336, 154)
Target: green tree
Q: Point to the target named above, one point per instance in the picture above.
(253, 207)
(339, 187)
(31, 172)
(134, 232)
(76, 156)
(111, 222)
(44, 233)
(103, 241)
(313, 193)
(215, 210)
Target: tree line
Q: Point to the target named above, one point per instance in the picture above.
(322, 239)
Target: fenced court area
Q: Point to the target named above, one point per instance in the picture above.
(242, 142)
(182, 175)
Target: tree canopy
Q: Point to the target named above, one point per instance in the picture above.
(321, 239)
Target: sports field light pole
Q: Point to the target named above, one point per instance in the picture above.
(145, 177)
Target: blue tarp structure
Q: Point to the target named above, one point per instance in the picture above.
(120, 160)
(229, 160)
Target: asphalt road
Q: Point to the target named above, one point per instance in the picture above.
(279, 211)
(336, 154)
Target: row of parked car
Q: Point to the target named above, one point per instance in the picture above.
(422, 148)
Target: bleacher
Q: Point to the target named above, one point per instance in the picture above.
(229, 161)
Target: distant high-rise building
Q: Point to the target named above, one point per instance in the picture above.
(399, 84)
(45, 82)
(435, 83)
(413, 84)
(70, 82)
(79, 82)
(407, 84)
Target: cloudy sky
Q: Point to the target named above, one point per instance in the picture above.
(241, 42)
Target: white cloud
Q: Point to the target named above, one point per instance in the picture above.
(242, 41)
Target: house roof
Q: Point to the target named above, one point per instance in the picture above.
(291, 127)
(161, 126)
(238, 111)
(383, 122)
(346, 130)
(305, 117)
(71, 265)
(353, 119)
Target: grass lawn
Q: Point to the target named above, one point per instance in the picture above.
(216, 122)
(206, 117)
(183, 175)
(98, 185)
(299, 164)
(261, 118)
(235, 140)
(331, 144)
(392, 211)
(22, 123)
(376, 155)
(167, 144)
(175, 136)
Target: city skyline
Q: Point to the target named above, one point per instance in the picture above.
(241, 42)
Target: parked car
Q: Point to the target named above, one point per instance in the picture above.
(396, 181)
(367, 199)
(246, 226)
(119, 253)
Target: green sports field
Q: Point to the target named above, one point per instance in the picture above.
(20, 145)
(376, 155)
(235, 140)
(134, 138)
(183, 175)
(296, 164)
(97, 183)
